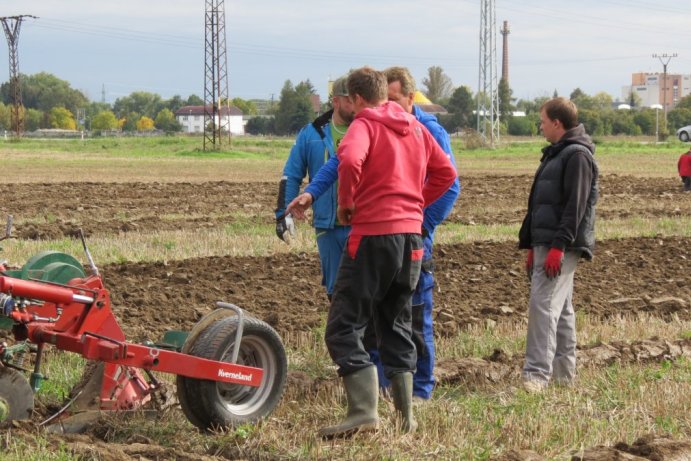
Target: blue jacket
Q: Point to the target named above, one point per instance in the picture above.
(435, 213)
(313, 147)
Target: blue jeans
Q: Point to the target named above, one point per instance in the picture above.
(330, 243)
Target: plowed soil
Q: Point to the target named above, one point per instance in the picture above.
(476, 282)
(59, 210)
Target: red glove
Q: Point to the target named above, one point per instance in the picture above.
(529, 264)
(553, 262)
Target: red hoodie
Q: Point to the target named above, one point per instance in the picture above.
(384, 158)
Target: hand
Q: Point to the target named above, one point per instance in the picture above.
(299, 204)
(285, 227)
(553, 262)
(529, 264)
(345, 215)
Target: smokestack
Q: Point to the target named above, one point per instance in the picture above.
(505, 53)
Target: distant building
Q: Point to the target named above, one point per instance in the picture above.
(651, 88)
(191, 118)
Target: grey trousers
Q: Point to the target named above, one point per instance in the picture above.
(551, 340)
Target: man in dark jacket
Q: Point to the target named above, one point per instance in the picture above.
(557, 231)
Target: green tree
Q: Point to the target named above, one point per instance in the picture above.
(94, 108)
(62, 118)
(460, 106)
(247, 107)
(141, 102)
(260, 125)
(34, 119)
(505, 107)
(43, 91)
(174, 103)
(645, 119)
(438, 85)
(104, 120)
(194, 100)
(523, 126)
(684, 103)
(165, 120)
(5, 117)
(294, 109)
(622, 123)
(129, 122)
(676, 118)
(634, 99)
(592, 121)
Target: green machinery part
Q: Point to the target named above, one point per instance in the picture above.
(50, 266)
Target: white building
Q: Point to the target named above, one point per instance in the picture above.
(191, 118)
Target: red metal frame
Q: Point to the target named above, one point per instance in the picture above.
(78, 318)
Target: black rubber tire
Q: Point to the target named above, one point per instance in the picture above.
(210, 404)
(684, 136)
(187, 397)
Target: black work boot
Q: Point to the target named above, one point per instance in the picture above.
(362, 393)
(402, 392)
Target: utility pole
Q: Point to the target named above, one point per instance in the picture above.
(216, 101)
(664, 59)
(488, 91)
(11, 25)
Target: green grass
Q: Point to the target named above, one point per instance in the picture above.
(131, 156)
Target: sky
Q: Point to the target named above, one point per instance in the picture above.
(158, 45)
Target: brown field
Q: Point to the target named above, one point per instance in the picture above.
(480, 284)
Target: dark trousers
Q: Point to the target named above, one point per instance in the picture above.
(687, 182)
(375, 281)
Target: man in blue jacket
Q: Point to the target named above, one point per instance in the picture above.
(316, 143)
(402, 91)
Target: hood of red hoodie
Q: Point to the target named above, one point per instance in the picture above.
(389, 114)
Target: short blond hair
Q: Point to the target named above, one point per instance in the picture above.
(402, 75)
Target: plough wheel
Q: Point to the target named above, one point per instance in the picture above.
(209, 404)
(16, 395)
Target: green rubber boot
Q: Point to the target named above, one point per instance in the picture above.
(402, 392)
(362, 394)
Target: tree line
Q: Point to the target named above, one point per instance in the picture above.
(50, 102)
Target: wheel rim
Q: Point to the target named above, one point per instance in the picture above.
(245, 400)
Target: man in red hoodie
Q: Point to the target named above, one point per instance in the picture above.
(684, 168)
(390, 168)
